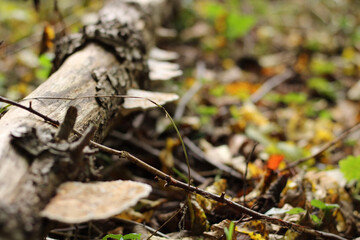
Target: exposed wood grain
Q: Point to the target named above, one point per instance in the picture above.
(72, 79)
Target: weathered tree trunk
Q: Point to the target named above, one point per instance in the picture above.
(28, 179)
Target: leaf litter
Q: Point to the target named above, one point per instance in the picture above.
(245, 47)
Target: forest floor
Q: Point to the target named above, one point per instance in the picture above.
(268, 88)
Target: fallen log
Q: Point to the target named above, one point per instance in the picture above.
(110, 57)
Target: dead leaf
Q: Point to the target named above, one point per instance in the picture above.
(47, 39)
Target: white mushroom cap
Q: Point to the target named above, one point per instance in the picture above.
(158, 97)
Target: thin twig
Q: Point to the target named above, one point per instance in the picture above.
(150, 229)
(246, 170)
(271, 84)
(30, 109)
(156, 153)
(326, 146)
(197, 151)
(200, 72)
(166, 222)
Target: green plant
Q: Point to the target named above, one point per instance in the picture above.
(296, 210)
(326, 209)
(237, 24)
(295, 98)
(323, 87)
(323, 206)
(218, 91)
(206, 112)
(315, 219)
(181, 175)
(229, 231)
(350, 167)
(289, 98)
(130, 236)
(321, 66)
(43, 71)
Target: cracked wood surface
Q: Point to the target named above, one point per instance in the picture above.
(72, 79)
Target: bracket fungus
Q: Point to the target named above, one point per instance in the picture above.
(141, 102)
(77, 202)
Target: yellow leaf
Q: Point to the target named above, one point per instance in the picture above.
(348, 53)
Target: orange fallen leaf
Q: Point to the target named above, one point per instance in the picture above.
(274, 161)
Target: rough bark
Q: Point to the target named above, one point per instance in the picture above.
(32, 161)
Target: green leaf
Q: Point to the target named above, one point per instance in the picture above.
(315, 219)
(218, 91)
(322, 86)
(207, 110)
(318, 204)
(273, 97)
(239, 25)
(130, 236)
(43, 71)
(320, 66)
(323, 206)
(234, 111)
(350, 142)
(350, 167)
(115, 236)
(296, 210)
(213, 10)
(229, 231)
(330, 206)
(325, 114)
(298, 98)
(293, 97)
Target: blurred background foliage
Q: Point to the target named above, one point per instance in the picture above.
(22, 66)
(319, 25)
(227, 28)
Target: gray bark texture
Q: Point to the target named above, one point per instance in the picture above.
(105, 58)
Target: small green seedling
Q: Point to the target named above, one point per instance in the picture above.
(229, 231)
(325, 207)
(296, 210)
(130, 236)
(315, 219)
(43, 71)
